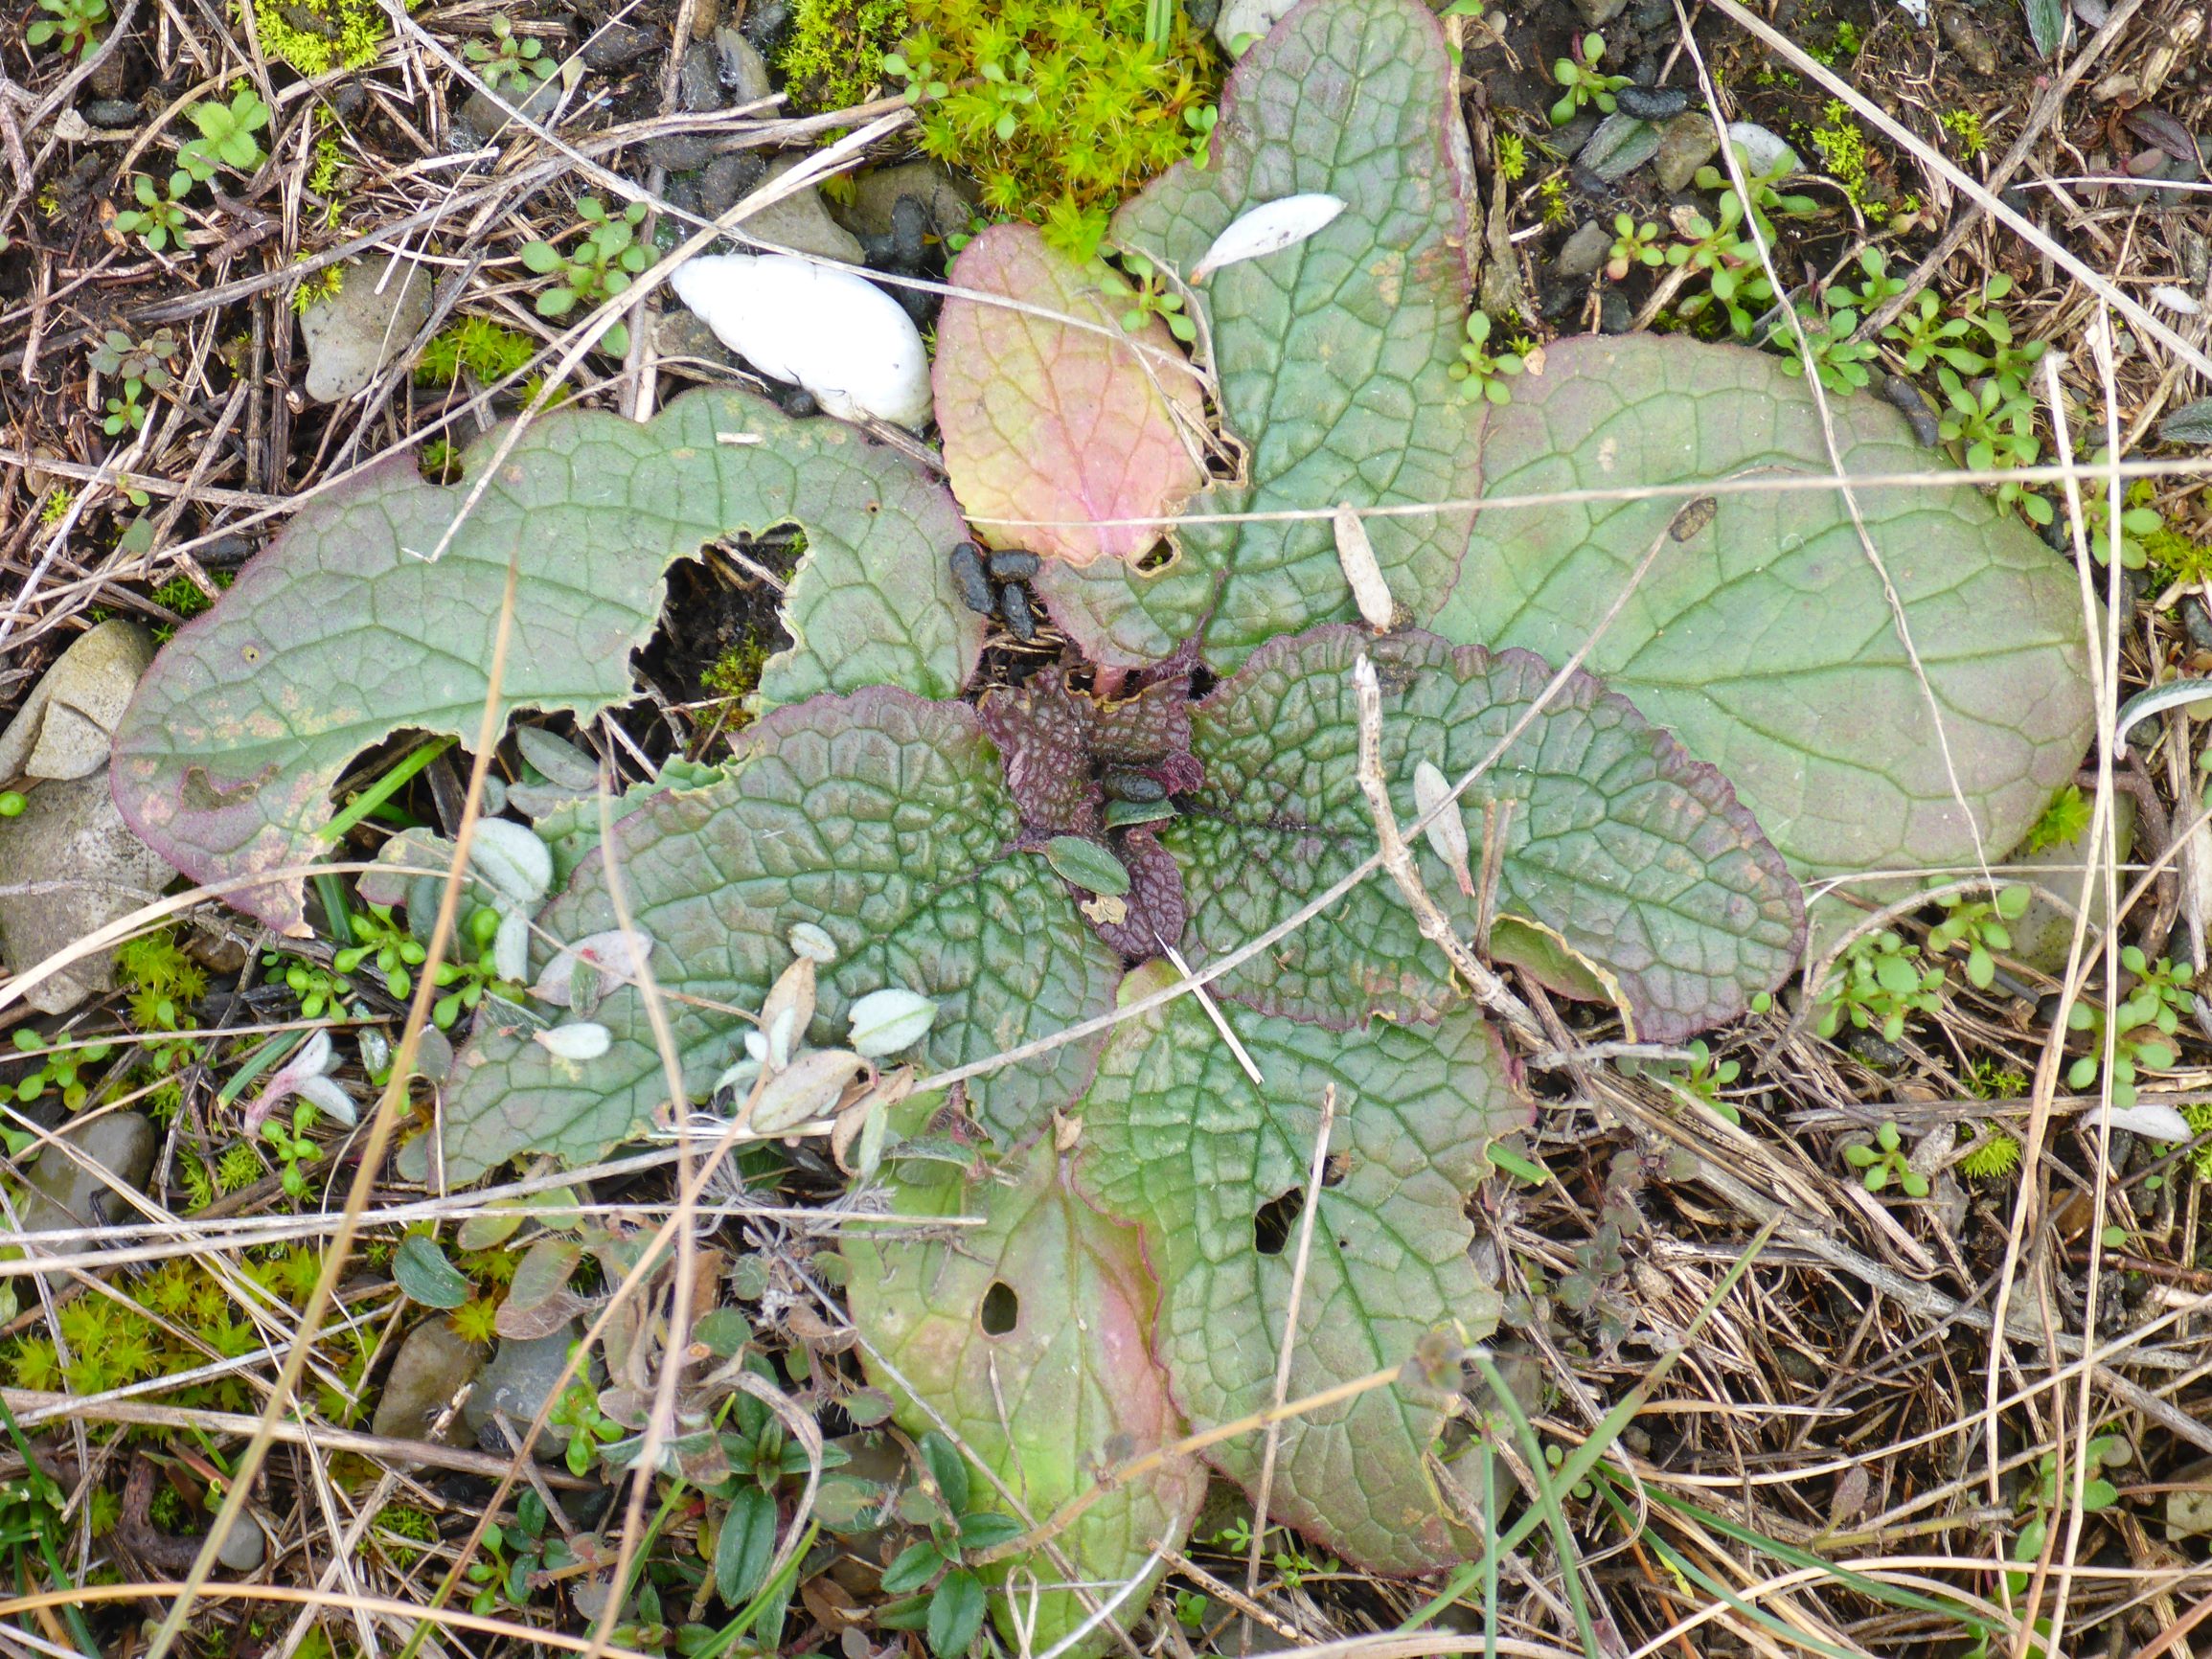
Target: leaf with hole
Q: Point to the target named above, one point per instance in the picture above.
(1049, 1303)
(343, 632)
(1765, 642)
(1332, 354)
(879, 818)
(1045, 420)
(1177, 1137)
(1639, 857)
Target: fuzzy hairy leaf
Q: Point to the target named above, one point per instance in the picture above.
(338, 635)
(1638, 855)
(1047, 1308)
(1765, 642)
(1043, 420)
(1332, 354)
(877, 817)
(1177, 1137)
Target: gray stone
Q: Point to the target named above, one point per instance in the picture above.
(683, 333)
(63, 1194)
(681, 152)
(744, 72)
(728, 179)
(1621, 145)
(1596, 13)
(618, 44)
(800, 223)
(2043, 935)
(110, 113)
(950, 200)
(699, 82)
(1686, 143)
(359, 330)
(64, 726)
(1584, 251)
(1616, 315)
(493, 124)
(517, 1381)
(71, 835)
(244, 1547)
(430, 1368)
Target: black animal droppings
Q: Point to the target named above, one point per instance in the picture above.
(909, 231)
(1652, 102)
(1916, 406)
(1124, 785)
(1013, 566)
(967, 577)
(1014, 606)
(796, 401)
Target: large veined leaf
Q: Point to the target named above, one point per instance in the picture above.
(341, 633)
(1042, 420)
(1032, 1337)
(877, 817)
(1177, 1137)
(1765, 641)
(1638, 855)
(1332, 354)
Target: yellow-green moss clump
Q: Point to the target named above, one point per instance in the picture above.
(316, 36)
(833, 54)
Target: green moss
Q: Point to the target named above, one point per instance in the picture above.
(316, 36)
(489, 352)
(831, 54)
(1059, 108)
(1993, 1160)
(1965, 126)
(2198, 1117)
(2064, 819)
(1844, 156)
(737, 672)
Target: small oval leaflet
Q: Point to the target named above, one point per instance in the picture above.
(1088, 865)
(1121, 814)
(420, 1270)
(1447, 832)
(1355, 553)
(513, 859)
(582, 1040)
(1270, 226)
(811, 943)
(886, 1021)
(807, 1089)
(562, 761)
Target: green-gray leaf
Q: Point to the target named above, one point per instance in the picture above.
(421, 1271)
(1765, 642)
(881, 819)
(341, 634)
(1048, 1306)
(1177, 1137)
(1638, 855)
(1332, 354)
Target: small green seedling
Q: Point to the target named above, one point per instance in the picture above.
(69, 24)
(1883, 1162)
(917, 66)
(293, 1148)
(159, 217)
(938, 1595)
(1633, 245)
(1928, 335)
(2143, 1026)
(1879, 982)
(512, 62)
(1767, 201)
(1978, 924)
(1583, 82)
(59, 1069)
(396, 950)
(138, 363)
(13, 803)
(318, 989)
(1146, 292)
(599, 267)
(124, 413)
(518, 1554)
(1479, 372)
(226, 136)
(1840, 360)
(1734, 279)
(589, 1428)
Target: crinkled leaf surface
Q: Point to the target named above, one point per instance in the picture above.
(1068, 1389)
(339, 635)
(1177, 1137)
(1332, 354)
(881, 819)
(1640, 856)
(1042, 420)
(1765, 642)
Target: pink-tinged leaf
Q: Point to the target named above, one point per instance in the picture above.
(1042, 419)
(1047, 1309)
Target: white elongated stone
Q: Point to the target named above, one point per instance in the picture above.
(838, 334)
(1265, 229)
